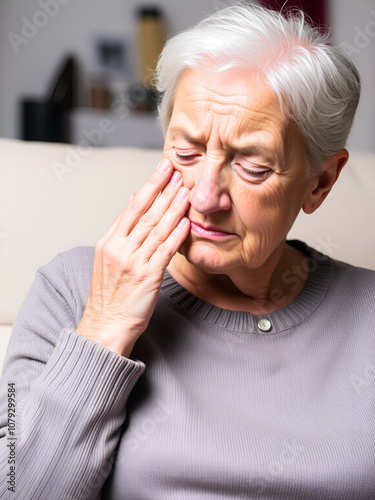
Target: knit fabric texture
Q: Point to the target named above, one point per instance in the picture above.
(210, 405)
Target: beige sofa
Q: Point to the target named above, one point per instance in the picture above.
(54, 197)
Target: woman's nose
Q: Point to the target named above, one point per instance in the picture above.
(210, 192)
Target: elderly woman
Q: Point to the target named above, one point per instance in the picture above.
(196, 353)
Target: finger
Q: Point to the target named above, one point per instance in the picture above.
(159, 234)
(164, 253)
(155, 213)
(144, 198)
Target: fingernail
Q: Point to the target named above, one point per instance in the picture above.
(175, 177)
(182, 222)
(163, 166)
(182, 194)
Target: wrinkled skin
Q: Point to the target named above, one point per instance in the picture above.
(244, 163)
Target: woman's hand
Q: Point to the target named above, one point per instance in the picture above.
(130, 260)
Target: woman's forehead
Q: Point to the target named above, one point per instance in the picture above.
(231, 106)
(238, 86)
(225, 102)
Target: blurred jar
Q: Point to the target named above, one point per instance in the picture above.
(151, 38)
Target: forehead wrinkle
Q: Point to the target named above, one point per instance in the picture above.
(242, 96)
(220, 97)
(198, 111)
(234, 116)
(184, 123)
(210, 108)
(238, 109)
(245, 100)
(248, 109)
(237, 135)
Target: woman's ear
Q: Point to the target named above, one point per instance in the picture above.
(322, 183)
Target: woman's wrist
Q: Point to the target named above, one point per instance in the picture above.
(107, 336)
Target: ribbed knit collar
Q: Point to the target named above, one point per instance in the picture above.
(302, 307)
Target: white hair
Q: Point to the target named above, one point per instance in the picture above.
(316, 84)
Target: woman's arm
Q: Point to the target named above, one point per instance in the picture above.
(70, 395)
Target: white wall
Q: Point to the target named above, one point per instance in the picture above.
(71, 28)
(29, 72)
(353, 24)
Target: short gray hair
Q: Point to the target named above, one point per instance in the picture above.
(316, 84)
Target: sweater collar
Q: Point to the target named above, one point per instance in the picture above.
(298, 310)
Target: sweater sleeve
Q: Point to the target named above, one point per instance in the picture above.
(70, 396)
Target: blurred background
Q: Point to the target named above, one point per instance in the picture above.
(80, 71)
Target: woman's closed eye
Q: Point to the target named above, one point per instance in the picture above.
(186, 156)
(248, 171)
(251, 172)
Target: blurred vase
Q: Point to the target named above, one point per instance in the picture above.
(47, 120)
(44, 121)
(151, 37)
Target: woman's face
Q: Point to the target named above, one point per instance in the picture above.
(244, 164)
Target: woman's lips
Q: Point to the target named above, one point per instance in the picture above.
(209, 231)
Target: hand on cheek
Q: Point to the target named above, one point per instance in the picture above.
(130, 260)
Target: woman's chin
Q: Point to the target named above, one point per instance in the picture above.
(205, 257)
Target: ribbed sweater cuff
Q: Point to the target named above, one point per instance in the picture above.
(89, 367)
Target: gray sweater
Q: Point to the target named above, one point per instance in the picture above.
(209, 405)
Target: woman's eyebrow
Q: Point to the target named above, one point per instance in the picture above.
(253, 149)
(189, 136)
(246, 149)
